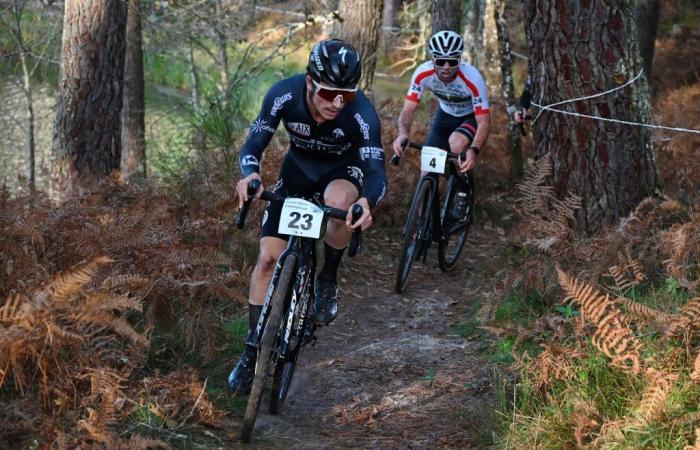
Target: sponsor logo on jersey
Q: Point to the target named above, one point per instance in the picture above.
(301, 128)
(371, 153)
(356, 173)
(261, 125)
(249, 160)
(338, 133)
(277, 186)
(279, 102)
(363, 125)
(318, 146)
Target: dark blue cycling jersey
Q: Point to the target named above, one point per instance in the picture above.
(355, 132)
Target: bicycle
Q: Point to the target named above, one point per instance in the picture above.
(284, 326)
(429, 220)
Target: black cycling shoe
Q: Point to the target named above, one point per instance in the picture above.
(241, 377)
(326, 302)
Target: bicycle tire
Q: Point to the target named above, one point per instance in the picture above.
(269, 338)
(420, 207)
(284, 369)
(460, 232)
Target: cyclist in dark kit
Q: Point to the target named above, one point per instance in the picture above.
(335, 155)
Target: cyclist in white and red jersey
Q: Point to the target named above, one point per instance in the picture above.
(462, 121)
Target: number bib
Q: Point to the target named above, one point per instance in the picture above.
(300, 218)
(432, 159)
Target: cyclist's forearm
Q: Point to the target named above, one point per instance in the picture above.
(482, 131)
(405, 121)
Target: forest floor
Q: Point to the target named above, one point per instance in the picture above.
(394, 370)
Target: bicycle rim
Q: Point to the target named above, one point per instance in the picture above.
(455, 234)
(418, 216)
(269, 338)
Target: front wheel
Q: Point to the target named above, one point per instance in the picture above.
(418, 220)
(455, 229)
(269, 340)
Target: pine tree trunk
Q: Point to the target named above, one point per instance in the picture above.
(508, 91)
(576, 50)
(360, 27)
(474, 32)
(133, 112)
(86, 130)
(447, 15)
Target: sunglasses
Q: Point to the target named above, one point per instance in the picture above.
(452, 62)
(331, 94)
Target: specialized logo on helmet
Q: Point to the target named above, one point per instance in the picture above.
(317, 58)
(249, 160)
(301, 128)
(261, 125)
(356, 173)
(279, 102)
(338, 133)
(363, 125)
(342, 52)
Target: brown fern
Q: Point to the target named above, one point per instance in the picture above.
(653, 403)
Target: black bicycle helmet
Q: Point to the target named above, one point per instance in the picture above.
(335, 63)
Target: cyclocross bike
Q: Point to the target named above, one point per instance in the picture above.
(429, 218)
(285, 326)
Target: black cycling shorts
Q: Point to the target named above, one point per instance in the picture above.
(293, 182)
(445, 124)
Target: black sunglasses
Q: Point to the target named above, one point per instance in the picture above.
(452, 62)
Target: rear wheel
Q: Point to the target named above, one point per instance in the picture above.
(269, 340)
(455, 230)
(418, 218)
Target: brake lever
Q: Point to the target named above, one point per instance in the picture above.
(356, 239)
(253, 187)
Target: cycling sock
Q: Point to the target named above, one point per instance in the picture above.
(331, 261)
(253, 316)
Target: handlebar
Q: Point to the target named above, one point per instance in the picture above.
(406, 144)
(336, 213)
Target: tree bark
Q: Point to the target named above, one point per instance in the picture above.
(194, 77)
(646, 15)
(447, 15)
(474, 32)
(579, 49)
(508, 91)
(133, 158)
(360, 27)
(86, 130)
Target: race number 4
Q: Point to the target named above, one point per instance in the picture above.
(300, 218)
(432, 159)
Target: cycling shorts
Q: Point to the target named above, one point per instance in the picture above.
(445, 124)
(293, 182)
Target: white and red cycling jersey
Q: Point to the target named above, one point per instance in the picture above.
(464, 95)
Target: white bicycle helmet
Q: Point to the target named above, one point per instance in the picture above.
(446, 44)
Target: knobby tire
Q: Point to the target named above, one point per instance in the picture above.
(411, 246)
(269, 338)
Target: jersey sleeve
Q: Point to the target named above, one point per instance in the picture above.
(264, 126)
(477, 85)
(415, 89)
(371, 154)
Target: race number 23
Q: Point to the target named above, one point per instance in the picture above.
(300, 218)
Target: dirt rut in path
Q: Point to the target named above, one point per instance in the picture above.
(388, 373)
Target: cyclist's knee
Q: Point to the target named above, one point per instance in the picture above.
(266, 260)
(341, 199)
(458, 142)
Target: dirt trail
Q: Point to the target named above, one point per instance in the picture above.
(388, 373)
